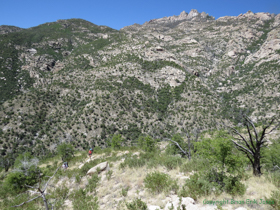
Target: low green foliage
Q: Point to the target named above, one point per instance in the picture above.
(157, 182)
(92, 183)
(220, 151)
(275, 200)
(66, 151)
(272, 155)
(203, 184)
(109, 174)
(116, 141)
(83, 201)
(171, 162)
(137, 204)
(124, 191)
(147, 143)
(196, 164)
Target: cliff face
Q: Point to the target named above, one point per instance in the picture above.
(74, 81)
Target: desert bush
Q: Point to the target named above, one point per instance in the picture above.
(124, 191)
(274, 177)
(272, 156)
(133, 162)
(221, 153)
(66, 151)
(195, 187)
(137, 204)
(274, 200)
(93, 182)
(147, 143)
(195, 164)
(233, 186)
(109, 174)
(116, 141)
(157, 182)
(171, 162)
(213, 181)
(82, 201)
(25, 173)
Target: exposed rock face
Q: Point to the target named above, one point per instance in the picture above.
(193, 13)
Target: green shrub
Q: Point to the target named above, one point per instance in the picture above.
(195, 164)
(195, 187)
(274, 200)
(116, 141)
(133, 162)
(109, 174)
(92, 183)
(137, 204)
(274, 177)
(157, 182)
(171, 162)
(205, 183)
(124, 191)
(66, 151)
(147, 143)
(82, 201)
(233, 186)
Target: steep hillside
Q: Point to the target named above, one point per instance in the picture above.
(77, 82)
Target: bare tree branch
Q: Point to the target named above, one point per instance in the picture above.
(244, 148)
(46, 185)
(186, 153)
(246, 142)
(26, 201)
(252, 124)
(277, 167)
(250, 136)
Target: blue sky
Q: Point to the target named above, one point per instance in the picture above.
(117, 14)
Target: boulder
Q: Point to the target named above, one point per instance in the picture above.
(152, 207)
(189, 204)
(101, 166)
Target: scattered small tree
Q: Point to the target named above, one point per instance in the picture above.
(147, 143)
(116, 141)
(66, 151)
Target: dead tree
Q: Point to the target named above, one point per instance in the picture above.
(196, 133)
(252, 144)
(41, 192)
(178, 145)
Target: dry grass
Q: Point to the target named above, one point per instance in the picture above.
(257, 188)
(109, 192)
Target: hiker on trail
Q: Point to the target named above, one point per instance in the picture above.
(90, 153)
(65, 165)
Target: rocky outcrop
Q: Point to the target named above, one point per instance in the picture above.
(98, 168)
(4, 29)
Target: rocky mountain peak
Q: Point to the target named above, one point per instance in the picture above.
(183, 15)
(193, 13)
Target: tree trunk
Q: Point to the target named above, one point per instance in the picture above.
(189, 145)
(45, 201)
(257, 166)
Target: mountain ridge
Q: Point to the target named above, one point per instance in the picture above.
(79, 82)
